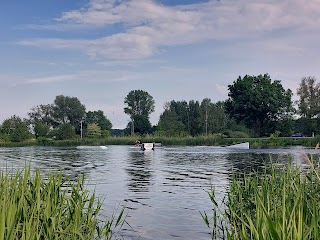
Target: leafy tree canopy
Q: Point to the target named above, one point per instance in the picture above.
(309, 97)
(16, 128)
(40, 129)
(99, 118)
(195, 119)
(169, 125)
(259, 102)
(93, 131)
(65, 131)
(140, 105)
(142, 124)
(68, 109)
(43, 114)
(215, 118)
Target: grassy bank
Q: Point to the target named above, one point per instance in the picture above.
(211, 140)
(34, 208)
(278, 204)
(130, 140)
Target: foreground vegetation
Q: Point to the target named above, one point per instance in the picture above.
(281, 203)
(34, 208)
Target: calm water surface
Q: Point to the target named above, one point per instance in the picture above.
(163, 190)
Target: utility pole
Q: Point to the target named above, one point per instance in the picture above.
(188, 120)
(132, 127)
(81, 129)
(206, 121)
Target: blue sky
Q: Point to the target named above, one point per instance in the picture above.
(100, 50)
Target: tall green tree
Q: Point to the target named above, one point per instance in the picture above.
(308, 106)
(140, 105)
(181, 108)
(42, 120)
(99, 118)
(205, 108)
(214, 117)
(309, 97)
(69, 110)
(42, 114)
(142, 124)
(192, 118)
(259, 102)
(16, 128)
(195, 119)
(65, 131)
(40, 129)
(169, 123)
(93, 131)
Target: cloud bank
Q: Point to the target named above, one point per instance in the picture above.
(148, 27)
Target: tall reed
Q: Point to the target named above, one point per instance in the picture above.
(34, 208)
(279, 204)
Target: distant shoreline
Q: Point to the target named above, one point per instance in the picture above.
(213, 140)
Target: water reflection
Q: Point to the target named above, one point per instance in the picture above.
(194, 168)
(253, 163)
(50, 159)
(139, 170)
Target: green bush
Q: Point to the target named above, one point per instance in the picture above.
(44, 141)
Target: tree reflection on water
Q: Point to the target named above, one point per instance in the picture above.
(139, 171)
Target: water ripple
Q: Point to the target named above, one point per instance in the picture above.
(162, 190)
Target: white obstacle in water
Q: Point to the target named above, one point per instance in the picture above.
(244, 145)
(147, 146)
(92, 147)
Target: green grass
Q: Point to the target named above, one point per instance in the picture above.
(32, 207)
(210, 140)
(282, 203)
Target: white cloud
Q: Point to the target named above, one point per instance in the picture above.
(94, 75)
(108, 12)
(149, 26)
(128, 63)
(61, 78)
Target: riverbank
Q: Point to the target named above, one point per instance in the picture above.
(212, 140)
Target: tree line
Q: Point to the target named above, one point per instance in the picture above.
(256, 106)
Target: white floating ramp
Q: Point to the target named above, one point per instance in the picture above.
(92, 147)
(244, 145)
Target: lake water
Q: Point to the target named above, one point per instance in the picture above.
(162, 190)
